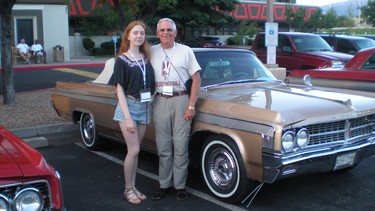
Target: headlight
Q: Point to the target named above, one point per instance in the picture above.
(303, 138)
(288, 141)
(28, 199)
(4, 203)
(337, 64)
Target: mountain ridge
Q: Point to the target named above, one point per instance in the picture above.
(347, 7)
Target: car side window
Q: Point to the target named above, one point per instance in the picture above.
(284, 44)
(261, 45)
(370, 64)
(345, 46)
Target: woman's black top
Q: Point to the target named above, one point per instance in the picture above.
(128, 73)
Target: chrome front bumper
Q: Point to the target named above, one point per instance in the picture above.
(279, 166)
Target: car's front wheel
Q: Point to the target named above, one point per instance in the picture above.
(223, 170)
(89, 135)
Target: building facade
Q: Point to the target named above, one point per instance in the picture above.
(54, 23)
(45, 20)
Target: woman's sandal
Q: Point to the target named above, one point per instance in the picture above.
(140, 195)
(131, 196)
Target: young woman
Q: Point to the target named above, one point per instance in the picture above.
(134, 79)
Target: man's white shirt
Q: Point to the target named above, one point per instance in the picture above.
(23, 48)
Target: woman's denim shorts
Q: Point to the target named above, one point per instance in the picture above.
(140, 112)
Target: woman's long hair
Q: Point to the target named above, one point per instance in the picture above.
(125, 44)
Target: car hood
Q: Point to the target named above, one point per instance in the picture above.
(17, 159)
(282, 104)
(332, 55)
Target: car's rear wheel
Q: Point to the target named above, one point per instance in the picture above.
(223, 170)
(89, 135)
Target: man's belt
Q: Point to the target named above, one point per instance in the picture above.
(175, 94)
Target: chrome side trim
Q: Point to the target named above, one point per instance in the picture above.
(237, 124)
(101, 100)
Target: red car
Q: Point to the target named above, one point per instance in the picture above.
(298, 50)
(357, 74)
(27, 181)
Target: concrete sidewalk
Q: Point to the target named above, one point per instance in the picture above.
(36, 136)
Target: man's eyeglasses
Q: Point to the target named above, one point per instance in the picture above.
(163, 30)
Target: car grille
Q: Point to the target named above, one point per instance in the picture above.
(10, 191)
(342, 131)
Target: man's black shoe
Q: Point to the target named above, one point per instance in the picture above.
(161, 192)
(182, 194)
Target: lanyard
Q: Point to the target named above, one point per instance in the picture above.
(140, 67)
(168, 61)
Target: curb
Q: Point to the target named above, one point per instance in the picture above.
(35, 135)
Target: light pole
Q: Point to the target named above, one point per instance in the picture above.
(271, 34)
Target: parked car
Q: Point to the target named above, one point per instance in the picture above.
(27, 181)
(203, 41)
(297, 50)
(347, 43)
(371, 36)
(358, 74)
(249, 128)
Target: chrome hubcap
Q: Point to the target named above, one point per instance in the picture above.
(222, 168)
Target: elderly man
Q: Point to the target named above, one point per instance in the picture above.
(24, 51)
(174, 108)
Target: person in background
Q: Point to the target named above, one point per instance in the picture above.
(37, 49)
(174, 108)
(24, 51)
(135, 84)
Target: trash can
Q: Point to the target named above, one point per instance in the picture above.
(58, 53)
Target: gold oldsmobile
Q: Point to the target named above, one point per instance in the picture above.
(249, 129)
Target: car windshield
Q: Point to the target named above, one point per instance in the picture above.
(365, 43)
(228, 67)
(311, 43)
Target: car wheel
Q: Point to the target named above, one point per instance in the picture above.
(89, 135)
(223, 170)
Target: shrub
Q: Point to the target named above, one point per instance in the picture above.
(106, 48)
(88, 44)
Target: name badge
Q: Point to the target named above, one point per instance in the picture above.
(145, 95)
(168, 90)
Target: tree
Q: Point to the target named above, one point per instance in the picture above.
(247, 28)
(141, 9)
(109, 20)
(9, 94)
(330, 20)
(368, 12)
(314, 23)
(205, 12)
(295, 20)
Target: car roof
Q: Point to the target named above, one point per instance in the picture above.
(349, 37)
(294, 33)
(223, 49)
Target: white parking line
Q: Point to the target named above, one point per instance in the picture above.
(155, 177)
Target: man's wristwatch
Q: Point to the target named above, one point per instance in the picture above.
(191, 108)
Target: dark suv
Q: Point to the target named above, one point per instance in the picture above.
(347, 43)
(297, 50)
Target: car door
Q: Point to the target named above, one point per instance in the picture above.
(286, 56)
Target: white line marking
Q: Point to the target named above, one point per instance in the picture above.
(155, 177)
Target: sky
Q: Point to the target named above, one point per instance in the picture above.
(317, 2)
